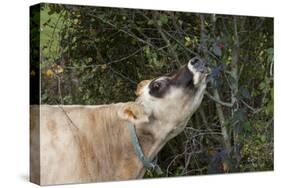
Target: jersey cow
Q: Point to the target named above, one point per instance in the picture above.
(81, 143)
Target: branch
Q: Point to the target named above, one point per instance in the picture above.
(108, 63)
(167, 41)
(171, 49)
(124, 58)
(219, 101)
(124, 31)
(53, 32)
(251, 32)
(123, 76)
(250, 107)
(59, 89)
(182, 45)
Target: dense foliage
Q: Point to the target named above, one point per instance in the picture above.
(95, 55)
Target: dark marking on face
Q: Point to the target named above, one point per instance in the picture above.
(181, 78)
(158, 88)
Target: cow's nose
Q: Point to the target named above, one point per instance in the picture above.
(195, 61)
(199, 64)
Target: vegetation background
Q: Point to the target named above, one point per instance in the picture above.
(97, 55)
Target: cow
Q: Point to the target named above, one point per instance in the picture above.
(92, 143)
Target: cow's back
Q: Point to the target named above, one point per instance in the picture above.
(82, 144)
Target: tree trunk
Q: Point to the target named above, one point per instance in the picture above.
(203, 45)
(234, 88)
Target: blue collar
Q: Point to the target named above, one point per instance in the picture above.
(147, 163)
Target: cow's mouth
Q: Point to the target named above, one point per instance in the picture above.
(199, 65)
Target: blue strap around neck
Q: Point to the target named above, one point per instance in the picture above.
(138, 150)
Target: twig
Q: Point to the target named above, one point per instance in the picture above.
(271, 69)
(219, 101)
(198, 169)
(124, 58)
(174, 159)
(187, 161)
(123, 76)
(251, 32)
(53, 33)
(167, 41)
(59, 88)
(250, 107)
(75, 131)
(123, 31)
(182, 45)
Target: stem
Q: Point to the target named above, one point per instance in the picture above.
(216, 96)
(227, 104)
(234, 88)
(167, 41)
(224, 131)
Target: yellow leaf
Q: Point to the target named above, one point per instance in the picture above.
(58, 69)
(49, 73)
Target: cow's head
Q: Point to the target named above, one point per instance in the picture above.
(174, 97)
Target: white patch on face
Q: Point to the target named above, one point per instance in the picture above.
(175, 108)
(176, 105)
(169, 108)
(161, 78)
(196, 75)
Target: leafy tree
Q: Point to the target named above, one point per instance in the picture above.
(97, 55)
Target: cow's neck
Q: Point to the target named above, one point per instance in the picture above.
(153, 137)
(155, 134)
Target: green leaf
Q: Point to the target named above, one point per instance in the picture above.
(246, 126)
(263, 138)
(262, 85)
(269, 108)
(187, 41)
(51, 12)
(150, 22)
(163, 19)
(245, 92)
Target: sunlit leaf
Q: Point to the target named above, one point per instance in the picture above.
(49, 73)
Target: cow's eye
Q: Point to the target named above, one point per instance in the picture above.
(158, 88)
(156, 85)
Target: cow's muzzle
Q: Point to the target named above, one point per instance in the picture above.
(200, 65)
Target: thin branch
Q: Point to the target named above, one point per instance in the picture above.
(182, 45)
(250, 107)
(187, 161)
(219, 101)
(59, 89)
(271, 69)
(124, 58)
(124, 31)
(251, 32)
(123, 76)
(53, 33)
(167, 41)
(109, 63)
(163, 32)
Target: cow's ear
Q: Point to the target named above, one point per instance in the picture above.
(140, 87)
(134, 113)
